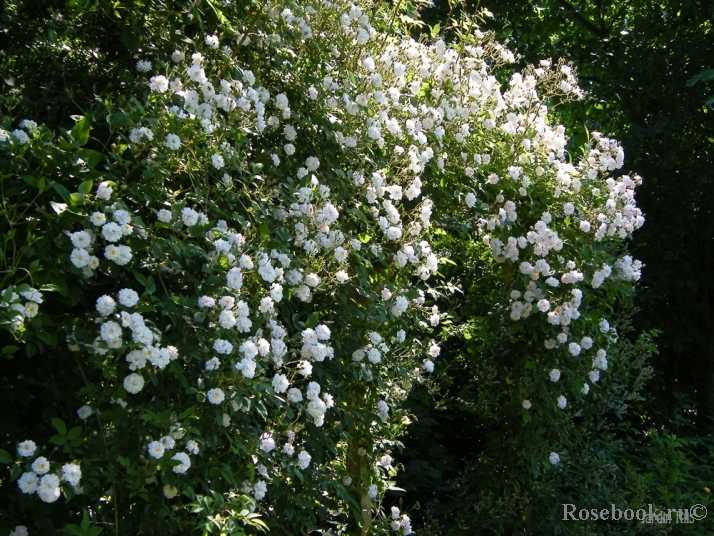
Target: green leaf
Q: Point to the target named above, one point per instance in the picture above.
(73, 530)
(118, 120)
(15, 472)
(412, 293)
(77, 7)
(74, 433)
(219, 14)
(85, 187)
(91, 158)
(64, 192)
(7, 295)
(58, 439)
(128, 37)
(312, 320)
(140, 278)
(76, 199)
(60, 426)
(10, 349)
(264, 230)
(704, 76)
(150, 285)
(5, 457)
(80, 132)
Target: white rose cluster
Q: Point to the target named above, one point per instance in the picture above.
(24, 302)
(43, 482)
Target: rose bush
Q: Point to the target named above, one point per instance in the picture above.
(234, 286)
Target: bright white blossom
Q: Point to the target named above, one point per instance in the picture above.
(185, 462)
(26, 449)
(173, 142)
(133, 383)
(215, 396)
(156, 449)
(304, 459)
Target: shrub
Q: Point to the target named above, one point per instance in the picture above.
(222, 296)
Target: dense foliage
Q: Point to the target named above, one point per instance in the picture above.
(227, 263)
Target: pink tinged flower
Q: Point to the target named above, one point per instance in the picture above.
(159, 84)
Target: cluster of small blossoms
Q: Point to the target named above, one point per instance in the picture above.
(400, 522)
(234, 315)
(295, 22)
(599, 362)
(111, 230)
(549, 274)
(626, 269)
(10, 300)
(19, 135)
(435, 126)
(355, 24)
(160, 448)
(374, 350)
(114, 319)
(196, 98)
(40, 480)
